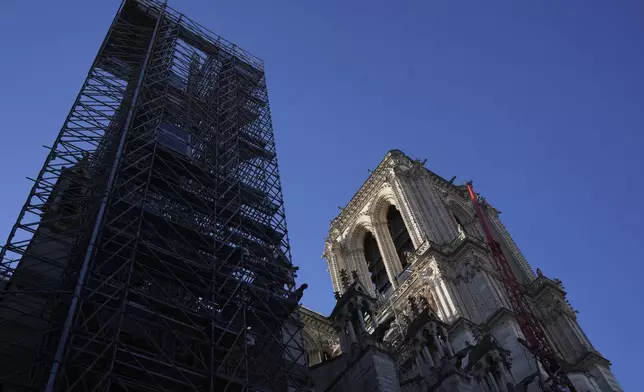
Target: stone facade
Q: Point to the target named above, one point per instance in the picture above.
(443, 322)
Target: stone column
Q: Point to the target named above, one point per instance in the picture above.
(428, 205)
(408, 210)
(462, 310)
(388, 252)
(449, 299)
(360, 263)
(344, 347)
(504, 378)
(352, 332)
(448, 347)
(330, 254)
(438, 345)
(374, 320)
(420, 362)
(361, 319)
(442, 305)
(561, 326)
(428, 356)
(493, 383)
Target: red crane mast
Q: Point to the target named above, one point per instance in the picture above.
(536, 340)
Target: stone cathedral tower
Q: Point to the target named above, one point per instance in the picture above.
(420, 306)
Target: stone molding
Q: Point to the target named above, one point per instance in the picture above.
(591, 358)
(309, 317)
(388, 253)
(318, 334)
(409, 208)
(383, 173)
(509, 242)
(449, 267)
(360, 199)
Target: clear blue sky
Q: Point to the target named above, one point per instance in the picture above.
(541, 103)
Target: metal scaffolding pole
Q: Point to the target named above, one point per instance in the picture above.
(101, 212)
(152, 252)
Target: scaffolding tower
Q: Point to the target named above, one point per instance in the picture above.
(152, 252)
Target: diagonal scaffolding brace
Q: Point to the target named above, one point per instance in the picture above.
(152, 252)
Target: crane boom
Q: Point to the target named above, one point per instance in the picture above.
(535, 336)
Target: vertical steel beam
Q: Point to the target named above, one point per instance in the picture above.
(69, 320)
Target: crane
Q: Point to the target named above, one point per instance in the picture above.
(535, 337)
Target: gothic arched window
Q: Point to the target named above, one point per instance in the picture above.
(459, 225)
(375, 264)
(399, 235)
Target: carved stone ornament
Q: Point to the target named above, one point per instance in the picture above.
(424, 247)
(551, 311)
(389, 175)
(344, 278)
(467, 270)
(413, 306)
(451, 246)
(417, 169)
(428, 272)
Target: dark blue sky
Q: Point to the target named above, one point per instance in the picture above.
(541, 103)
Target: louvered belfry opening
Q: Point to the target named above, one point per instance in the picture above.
(375, 264)
(399, 235)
